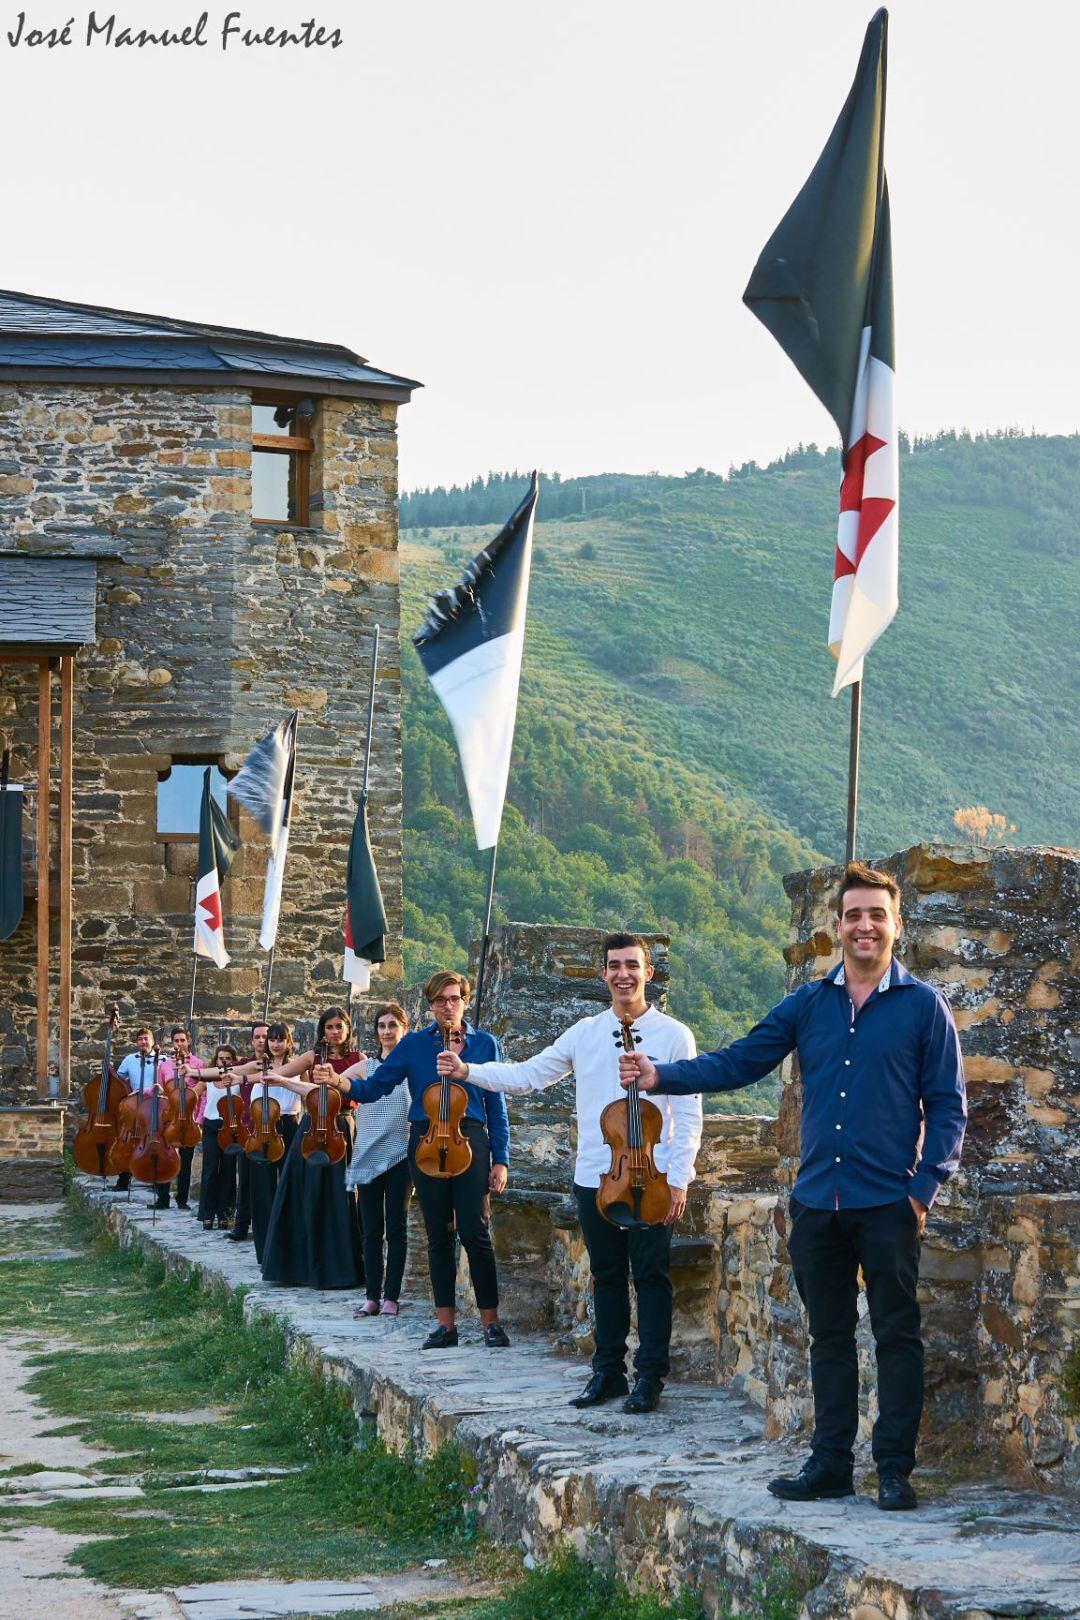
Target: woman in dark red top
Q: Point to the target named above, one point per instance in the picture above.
(313, 1238)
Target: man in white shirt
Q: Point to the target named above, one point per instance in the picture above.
(590, 1050)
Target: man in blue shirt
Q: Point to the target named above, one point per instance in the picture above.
(883, 1116)
(452, 1203)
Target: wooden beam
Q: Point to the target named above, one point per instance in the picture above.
(44, 743)
(67, 735)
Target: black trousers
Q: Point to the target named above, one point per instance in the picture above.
(827, 1249)
(242, 1222)
(458, 1203)
(384, 1209)
(183, 1175)
(218, 1185)
(616, 1254)
(263, 1181)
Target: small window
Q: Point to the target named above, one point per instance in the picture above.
(281, 460)
(179, 799)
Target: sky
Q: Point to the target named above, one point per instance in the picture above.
(547, 214)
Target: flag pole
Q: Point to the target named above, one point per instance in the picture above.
(194, 959)
(487, 932)
(853, 770)
(291, 780)
(370, 713)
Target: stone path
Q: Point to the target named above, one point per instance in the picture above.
(678, 1493)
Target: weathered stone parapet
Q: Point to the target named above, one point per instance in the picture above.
(31, 1153)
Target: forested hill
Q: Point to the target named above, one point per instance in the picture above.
(677, 747)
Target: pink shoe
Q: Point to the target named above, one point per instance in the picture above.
(370, 1307)
(389, 1307)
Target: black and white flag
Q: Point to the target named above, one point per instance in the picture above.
(471, 644)
(264, 786)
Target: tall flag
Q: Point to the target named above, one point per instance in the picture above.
(823, 287)
(471, 644)
(365, 915)
(217, 846)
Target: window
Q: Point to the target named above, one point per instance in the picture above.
(179, 798)
(280, 459)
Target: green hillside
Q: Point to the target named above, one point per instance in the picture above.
(677, 747)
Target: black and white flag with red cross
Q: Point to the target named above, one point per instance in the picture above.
(217, 846)
(823, 287)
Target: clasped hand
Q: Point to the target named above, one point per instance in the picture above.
(449, 1063)
(636, 1066)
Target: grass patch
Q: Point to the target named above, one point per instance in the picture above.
(568, 1588)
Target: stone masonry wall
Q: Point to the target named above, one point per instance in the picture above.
(209, 629)
(31, 1153)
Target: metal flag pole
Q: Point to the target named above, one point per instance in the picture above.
(194, 958)
(370, 712)
(487, 933)
(290, 777)
(853, 770)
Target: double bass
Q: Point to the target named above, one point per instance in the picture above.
(266, 1141)
(127, 1121)
(633, 1192)
(444, 1150)
(323, 1105)
(101, 1099)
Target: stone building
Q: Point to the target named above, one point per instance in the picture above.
(198, 533)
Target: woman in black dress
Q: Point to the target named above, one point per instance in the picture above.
(265, 1174)
(313, 1236)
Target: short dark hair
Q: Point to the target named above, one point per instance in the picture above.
(144, 1029)
(260, 1023)
(180, 1029)
(624, 942)
(222, 1047)
(857, 875)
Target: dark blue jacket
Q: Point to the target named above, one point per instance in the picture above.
(873, 1082)
(413, 1059)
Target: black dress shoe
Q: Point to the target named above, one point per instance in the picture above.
(182, 1206)
(816, 1481)
(495, 1337)
(441, 1338)
(602, 1386)
(645, 1395)
(238, 1237)
(895, 1492)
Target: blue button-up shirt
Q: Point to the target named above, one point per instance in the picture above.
(413, 1059)
(883, 1102)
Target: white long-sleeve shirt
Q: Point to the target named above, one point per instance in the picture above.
(590, 1051)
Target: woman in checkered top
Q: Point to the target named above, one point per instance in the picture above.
(380, 1171)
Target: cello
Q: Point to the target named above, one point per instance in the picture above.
(102, 1099)
(154, 1160)
(323, 1106)
(119, 1159)
(266, 1141)
(181, 1130)
(444, 1150)
(633, 1192)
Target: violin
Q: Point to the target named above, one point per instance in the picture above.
(154, 1159)
(182, 1131)
(127, 1119)
(266, 1141)
(323, 1107)
(444, 1150)
(101, 1099)
(232, 1132)
(633, 1192)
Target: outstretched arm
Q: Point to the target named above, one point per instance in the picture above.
(730, 1067)
(532, 1074)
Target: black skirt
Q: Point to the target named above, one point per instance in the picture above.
(313, 1237)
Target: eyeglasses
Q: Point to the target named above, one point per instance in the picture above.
(445, 1001)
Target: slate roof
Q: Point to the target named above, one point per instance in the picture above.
(47, 602)
(48, 338)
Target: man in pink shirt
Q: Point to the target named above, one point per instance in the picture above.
(182, 1057)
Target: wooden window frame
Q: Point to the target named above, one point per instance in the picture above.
(299, 450)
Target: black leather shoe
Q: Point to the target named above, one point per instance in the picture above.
(238, 1237)
(160, 1203)
(602, 1386)
(895, 1492)
(495, 1337)
(183, 1206)
(816, 1481)
(645, 1395)
(441, 1338)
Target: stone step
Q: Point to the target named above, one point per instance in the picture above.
(673, 1498)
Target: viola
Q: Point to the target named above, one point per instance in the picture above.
(633, 1192)
(444, 1150)
(323, 1105)
(101, 1099)
(119, 1157)
(266, 1141)
(182, 1131)
(153, 1158)
(232, 1132)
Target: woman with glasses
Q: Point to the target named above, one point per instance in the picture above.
(453, 1203)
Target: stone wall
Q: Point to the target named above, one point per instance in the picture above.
(997, 931)
(210, 628)
(31, 1153)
